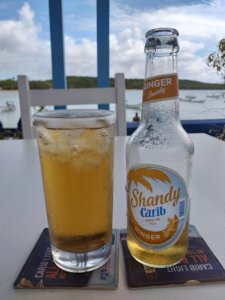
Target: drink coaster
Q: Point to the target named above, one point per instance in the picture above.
(40, 271)
(200, 266)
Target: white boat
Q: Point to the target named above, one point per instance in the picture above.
(9, 106)
(214, 96)
(134, 106)
(198, 101)
(191, 99)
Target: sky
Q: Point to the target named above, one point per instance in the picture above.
(25, 36)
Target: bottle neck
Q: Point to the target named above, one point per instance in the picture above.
(164, 112)
(160, 63)
(160, 95)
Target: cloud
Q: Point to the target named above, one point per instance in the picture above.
(24, 51)
(201, 26)
(21, 50)
(127, 53)
(80, 57)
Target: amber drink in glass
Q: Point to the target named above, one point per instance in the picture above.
(76, 154)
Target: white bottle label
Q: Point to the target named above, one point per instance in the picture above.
(157, 205)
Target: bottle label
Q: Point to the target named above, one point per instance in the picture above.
(160, 88)
(157, 205)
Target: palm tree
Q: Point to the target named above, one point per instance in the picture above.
(140, 174)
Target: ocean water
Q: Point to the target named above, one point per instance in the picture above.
(194, 104)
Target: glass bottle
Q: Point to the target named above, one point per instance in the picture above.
(159, 155)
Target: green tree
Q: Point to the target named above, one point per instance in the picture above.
(216, 60)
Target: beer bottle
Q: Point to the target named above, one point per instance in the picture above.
(159, 157)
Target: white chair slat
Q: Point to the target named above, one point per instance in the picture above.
(48, 97)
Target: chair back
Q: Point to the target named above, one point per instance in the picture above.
(57, 97)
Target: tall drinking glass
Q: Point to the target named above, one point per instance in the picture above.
(76, 155)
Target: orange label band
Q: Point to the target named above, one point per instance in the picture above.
(160, 88)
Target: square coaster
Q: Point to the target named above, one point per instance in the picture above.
(40, 271)
(200, 266)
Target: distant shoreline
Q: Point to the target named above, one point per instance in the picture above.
(86, 82)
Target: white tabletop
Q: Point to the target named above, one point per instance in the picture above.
(22, 218)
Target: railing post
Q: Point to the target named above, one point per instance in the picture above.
(57, 46)
(103, 46)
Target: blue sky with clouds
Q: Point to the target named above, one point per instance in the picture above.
(25, 44)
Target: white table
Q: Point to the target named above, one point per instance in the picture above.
(22, 218)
